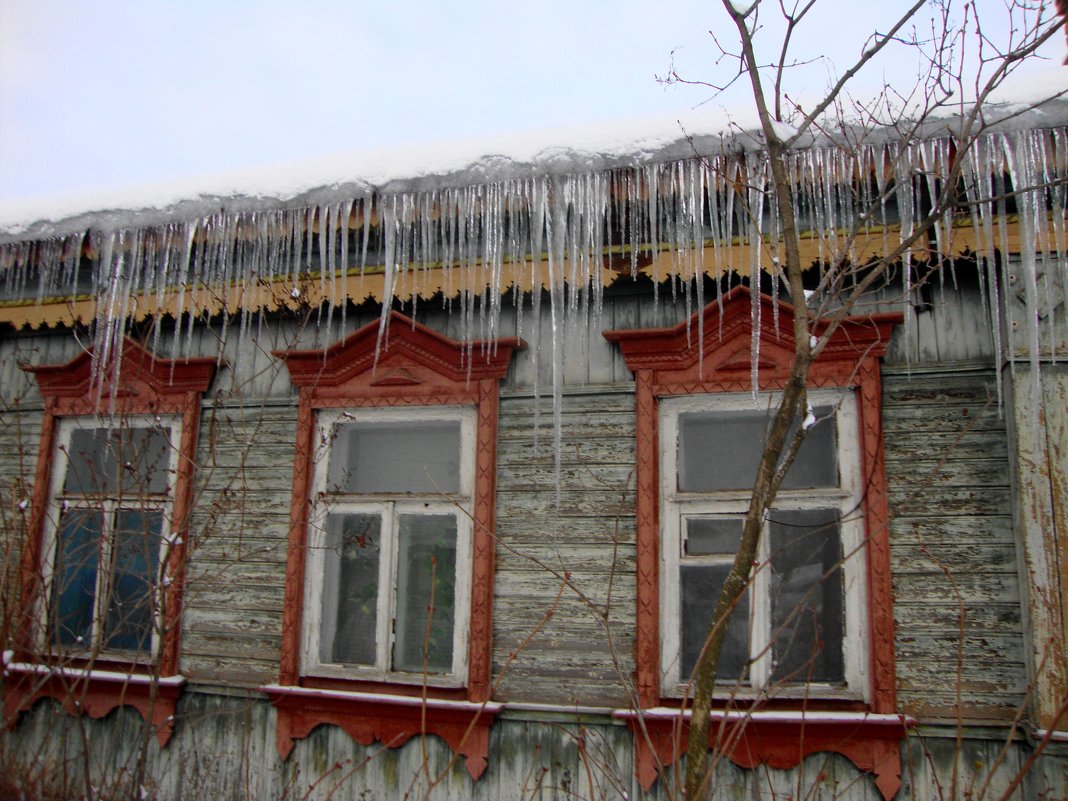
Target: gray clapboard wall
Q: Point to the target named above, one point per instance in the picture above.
(952, 544)
(957, 603)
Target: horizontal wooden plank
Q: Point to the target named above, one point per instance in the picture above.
(221, 620)
(232, 647)
(579, 530)
(581, 558)
(998, 652)
(950, 469)
(543, 478)
(949, 500)
(577, 403)
(244, 571)
(939, 394)
(243, 673)
(955, 556)
(581, 502)
(562, 686)
(914, 615)
(976, 706)
(225, 593)
(940, 678)
(940, 530)
(273, 498)
(618, 427)
(596, 450)
(939, 445)
(936, 588)
(226, 550)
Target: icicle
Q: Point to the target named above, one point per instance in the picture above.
(474, 242)
(1016, 160)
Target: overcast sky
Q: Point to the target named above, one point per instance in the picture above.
(101, 94)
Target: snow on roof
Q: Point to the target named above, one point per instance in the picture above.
(360, 174)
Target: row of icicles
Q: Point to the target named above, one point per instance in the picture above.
(560, 232)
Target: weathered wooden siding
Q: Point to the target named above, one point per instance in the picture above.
(956, 582)
(573, 540)
(952, 547)
(232, 622)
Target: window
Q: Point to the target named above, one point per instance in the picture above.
(104, 562)
(800, 620)
(107, 535)
(809, 666)
(390, 536)
(388, 622)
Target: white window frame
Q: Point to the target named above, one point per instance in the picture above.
(459, 504)
(58, 502)
(847, 498)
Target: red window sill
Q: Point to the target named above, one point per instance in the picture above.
(93, 692)
(392, 720)
(781, 739)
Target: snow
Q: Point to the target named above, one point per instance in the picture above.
(398, 700)
(438, 165)
(770, 716)
(91, 673)
(360, 173)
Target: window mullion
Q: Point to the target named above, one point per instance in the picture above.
(760, 613)
(161, 579)
(387, 588)
(109, 509)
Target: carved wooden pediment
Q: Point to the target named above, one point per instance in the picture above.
(402, 358)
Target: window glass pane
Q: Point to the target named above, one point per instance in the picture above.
(350, 588)
(701, 586)
(816, 463)
(806, 596)
(104, 460)
(90, 467)
(135, 559)
(144, 454)
(395, 457)
(426, 583)
(713, 535)
(721, 451)
(74, 578)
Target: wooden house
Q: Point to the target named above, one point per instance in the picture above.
(428, 491)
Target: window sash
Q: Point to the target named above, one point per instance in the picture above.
(114, 603)
(712, 552)
(394, 649)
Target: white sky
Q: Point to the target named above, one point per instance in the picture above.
(105, 94)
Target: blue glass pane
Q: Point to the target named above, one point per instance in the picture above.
(135, 565)
(70, 617)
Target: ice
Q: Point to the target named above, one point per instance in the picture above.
(548, 222)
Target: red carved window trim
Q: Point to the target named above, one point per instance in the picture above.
(135, 384)
(411, 366)
(675, 361)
